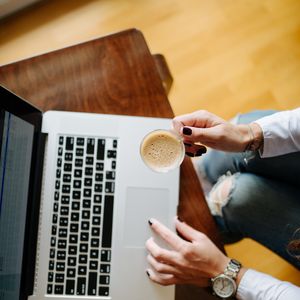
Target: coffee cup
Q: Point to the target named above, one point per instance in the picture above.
(162, 150)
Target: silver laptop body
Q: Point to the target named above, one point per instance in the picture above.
(74, 259)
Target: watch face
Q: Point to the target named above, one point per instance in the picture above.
(224, 286)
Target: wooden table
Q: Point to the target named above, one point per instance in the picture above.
(115, 74)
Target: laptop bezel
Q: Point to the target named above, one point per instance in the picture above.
(19, 107)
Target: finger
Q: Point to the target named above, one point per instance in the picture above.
(187, 231)
(163, 279)
(192, 149)
(161, 254)
(162, 268)
(166, 234)
(200, 118)
(205, 136)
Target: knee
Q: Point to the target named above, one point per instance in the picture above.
(220, 194)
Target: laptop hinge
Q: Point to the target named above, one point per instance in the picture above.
(33, 210)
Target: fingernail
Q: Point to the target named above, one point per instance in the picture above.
(147, 272)
(189, 154)
(178, 218)
(199, 153)
(150, 223)
(187, 131)
(188, 145)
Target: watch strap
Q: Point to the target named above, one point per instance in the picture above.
(233, 268)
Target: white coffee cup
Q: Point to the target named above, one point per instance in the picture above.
(162, 150)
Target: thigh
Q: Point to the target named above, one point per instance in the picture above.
(262, 209)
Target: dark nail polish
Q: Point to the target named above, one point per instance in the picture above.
(147, 272)
(187, 131)
(200, 152)
(179, 219)
(150, 223)
(188, 145)
(189, 154)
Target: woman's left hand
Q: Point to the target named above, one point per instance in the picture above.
(192, 260)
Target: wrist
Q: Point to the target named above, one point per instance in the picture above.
(252, 137)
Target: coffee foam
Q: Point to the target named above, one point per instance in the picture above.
(161, 150)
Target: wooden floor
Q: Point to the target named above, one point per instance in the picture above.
(226, 56)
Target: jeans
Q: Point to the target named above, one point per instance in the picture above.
(264, 200)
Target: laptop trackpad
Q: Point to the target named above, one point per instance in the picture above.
(141, 205)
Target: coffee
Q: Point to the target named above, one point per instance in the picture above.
(162, 150)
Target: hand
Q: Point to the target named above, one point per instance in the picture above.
(191, 261)
(210, 130)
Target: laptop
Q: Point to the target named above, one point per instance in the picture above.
(75, 202)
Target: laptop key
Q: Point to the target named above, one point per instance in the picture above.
(71, 261)
(99, 166)
(50, 277)
(67, 167)
(71, 272)
(61, 140)
(100, 149)
(51, 265)
(110, 175)
(92, 285)
(79, 152)
(109, 187)
(104, 268)
(80, 142)
(81, 286)
(105, 255)
(58, 289)
(104, 279)
(78, 163)
(115, 143)
(93, 265)
(54, 230)
(69, 143)
(49, 289)
(103, 291)
(107, 221)
(70, 287)
(59, 278)
(90, 146)
(111, 154)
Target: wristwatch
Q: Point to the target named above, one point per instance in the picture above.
(224, 285)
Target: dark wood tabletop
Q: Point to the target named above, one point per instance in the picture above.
(115, 74)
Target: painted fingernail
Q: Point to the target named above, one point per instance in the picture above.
(147, 272)
(199, 153)
(150, 223)
(187, 144)
(178, 218)
(189, 154)
(187, 131)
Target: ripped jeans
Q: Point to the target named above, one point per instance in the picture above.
(264, 199)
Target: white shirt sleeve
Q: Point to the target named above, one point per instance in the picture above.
(259, 286)
(281, 132)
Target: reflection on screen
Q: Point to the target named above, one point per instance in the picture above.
(16, 150)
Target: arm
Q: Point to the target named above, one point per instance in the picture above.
(258, 286)
(195, 260)
(273, 135)
(281, 133)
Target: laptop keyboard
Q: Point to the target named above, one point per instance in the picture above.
(81, 233)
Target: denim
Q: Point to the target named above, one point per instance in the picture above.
(264, 201)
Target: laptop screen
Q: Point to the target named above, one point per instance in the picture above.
(16, 150)
(17, 135)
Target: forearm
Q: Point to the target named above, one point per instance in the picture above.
(281, 133)
(253, 285)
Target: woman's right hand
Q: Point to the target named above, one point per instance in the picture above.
(210, 130)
